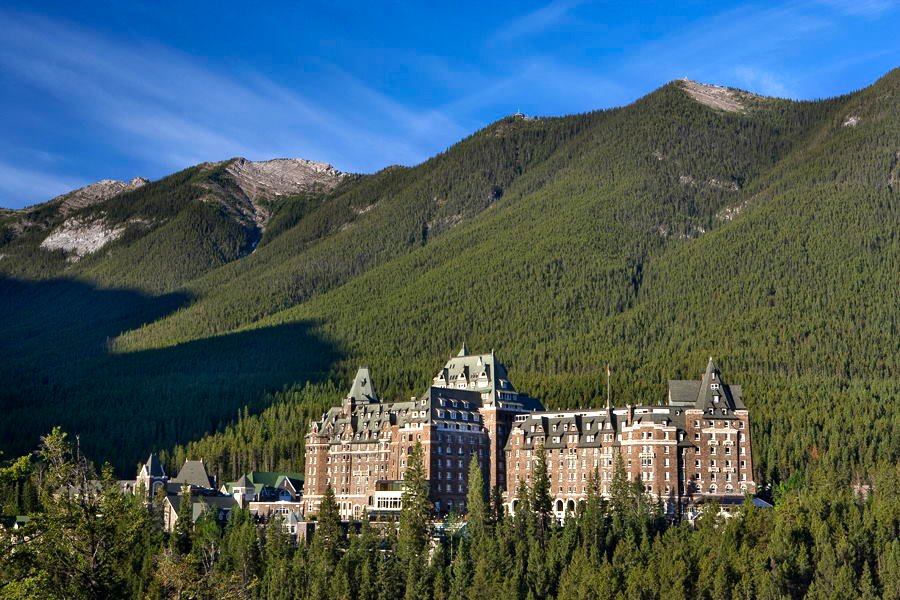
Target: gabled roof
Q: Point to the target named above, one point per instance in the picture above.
(259, 480)
(273, 478)
(201, 503)
(193, 473)
(153, 468)
(363, 390)
(481, 372)
(702, 394)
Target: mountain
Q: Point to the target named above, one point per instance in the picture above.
(159, 235)
(698, 220)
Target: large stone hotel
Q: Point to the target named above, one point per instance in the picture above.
(694, 447)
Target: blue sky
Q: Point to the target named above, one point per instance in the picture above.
(94, 90)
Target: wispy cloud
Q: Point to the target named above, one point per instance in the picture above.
(862, 8)
(539, 81)
(534, 22)
(748, 46)
(31, 185)
(151, 101)
(761, 82)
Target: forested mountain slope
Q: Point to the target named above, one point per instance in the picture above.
(795, 292)
(157, 236)
(759, 230)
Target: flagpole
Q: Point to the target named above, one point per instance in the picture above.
(608, 388)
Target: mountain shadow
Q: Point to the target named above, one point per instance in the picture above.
(57, 368)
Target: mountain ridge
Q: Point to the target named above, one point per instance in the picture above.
(649, 235)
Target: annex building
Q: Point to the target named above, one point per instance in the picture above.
(694, 447)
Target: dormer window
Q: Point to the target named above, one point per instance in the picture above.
(716, 399)
(714, 386)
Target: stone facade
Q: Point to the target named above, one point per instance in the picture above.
(361, 447)
(696, 447)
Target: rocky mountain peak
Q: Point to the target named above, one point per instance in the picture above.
(716, 96)
(282, 176)
(96, 192)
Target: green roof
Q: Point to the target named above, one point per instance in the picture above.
(272, 478)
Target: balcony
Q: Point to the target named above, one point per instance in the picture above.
(728, 443)
(713, 469)
(713, 442)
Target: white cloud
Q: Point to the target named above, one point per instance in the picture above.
(534, 22)
(761, 82)
(162, 106)
(28, 186)
(862, 8)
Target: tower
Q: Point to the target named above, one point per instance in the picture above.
(152, 476)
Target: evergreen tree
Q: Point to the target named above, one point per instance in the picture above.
(415, 524)
(180, 539)
(328, 538)
(325, 550)
(476, 503)
(541, 501)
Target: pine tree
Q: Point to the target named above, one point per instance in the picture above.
(497, 508)
(476, 503)
(541, 501)
(592, 518)
(415, 523)
(461, 572)
(180, 539)
(328, 539)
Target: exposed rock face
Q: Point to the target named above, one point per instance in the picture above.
(729, 213)
(97, 192)
(80, 238)
(716, 96)
(258, 181)
(282, 176)
(850, 121)
(728, 186)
